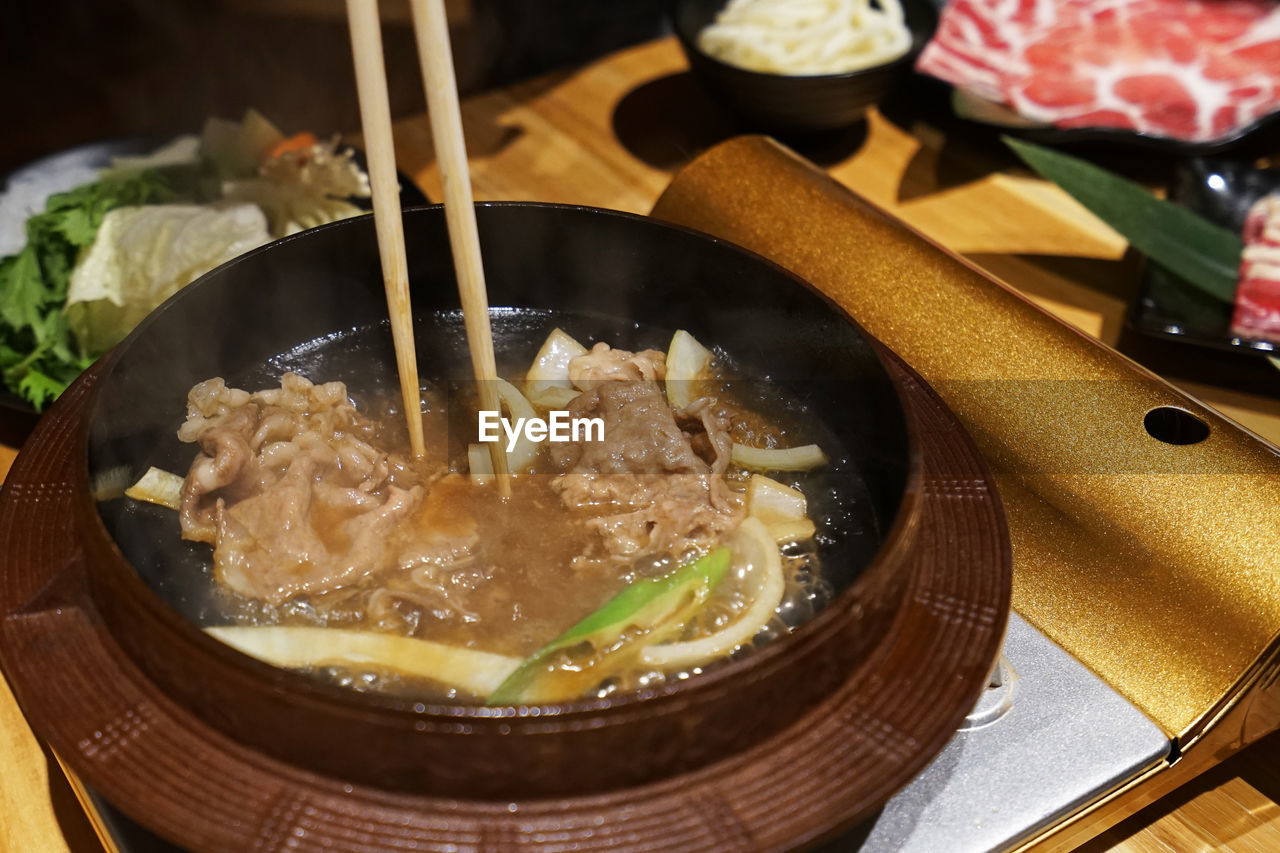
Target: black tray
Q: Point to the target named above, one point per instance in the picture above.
(1191, 330)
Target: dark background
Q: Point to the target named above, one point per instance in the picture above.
(73, 71)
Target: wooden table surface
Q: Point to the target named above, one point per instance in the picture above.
(612, 134)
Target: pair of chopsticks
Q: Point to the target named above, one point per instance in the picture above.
(436, 57)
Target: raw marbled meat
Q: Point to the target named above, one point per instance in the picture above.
(1195, 70)
(1257, 313)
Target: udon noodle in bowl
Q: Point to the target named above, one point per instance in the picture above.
(802, 66)
(660, 593)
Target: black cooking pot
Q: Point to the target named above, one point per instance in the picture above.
(315, 304)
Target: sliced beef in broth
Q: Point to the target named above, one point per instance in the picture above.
(605, 364)
(290, 489)
(644, 488)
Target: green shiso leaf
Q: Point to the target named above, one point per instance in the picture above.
(1205, 255)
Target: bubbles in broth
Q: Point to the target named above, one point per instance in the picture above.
(690, 533)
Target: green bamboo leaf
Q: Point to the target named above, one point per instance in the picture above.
(1207, 256)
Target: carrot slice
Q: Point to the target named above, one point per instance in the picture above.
(297, 142)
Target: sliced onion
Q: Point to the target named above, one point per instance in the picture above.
(779, 458)
(554, 397)
(292, 647)
(480, 464)
(769, 500)
(792, 531)
(767, 584)
(547, 382)
(782, 509)
(521, 457)
(157, 487)
(525, 451)
(687, 361)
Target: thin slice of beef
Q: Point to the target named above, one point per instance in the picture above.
(1257, 309)
(640, 433)
(1196, 70)
(643, 488)
(604, 364)
(297, 537)
(290, 488)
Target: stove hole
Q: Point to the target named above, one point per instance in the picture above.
(997, 699)
(1175, 426)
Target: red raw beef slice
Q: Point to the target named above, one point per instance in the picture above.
(1257, 313)
(1196, 70)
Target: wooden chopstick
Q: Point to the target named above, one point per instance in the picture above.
(436, 57)
(375, 119)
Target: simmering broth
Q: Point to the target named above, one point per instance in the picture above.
(517, 587)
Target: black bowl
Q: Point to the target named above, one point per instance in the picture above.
(793, 102)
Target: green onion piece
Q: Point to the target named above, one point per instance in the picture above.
(645, 603)
(767, 585)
